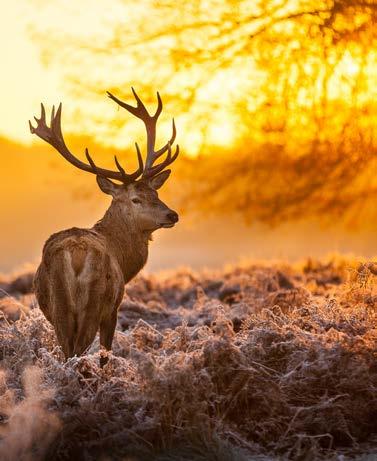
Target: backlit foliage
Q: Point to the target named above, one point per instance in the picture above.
(274, 99)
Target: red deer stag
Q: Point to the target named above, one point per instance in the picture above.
(80, 281)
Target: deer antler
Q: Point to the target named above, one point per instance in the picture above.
(53, 135)
(150, 122)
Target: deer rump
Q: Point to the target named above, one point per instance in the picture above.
(81, 291)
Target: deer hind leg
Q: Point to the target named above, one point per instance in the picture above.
(86, 333)
(107, 330)
(42, 292)
(88, 316)
(64, 320)
(65, 332)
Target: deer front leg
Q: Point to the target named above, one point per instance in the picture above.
(107, 329)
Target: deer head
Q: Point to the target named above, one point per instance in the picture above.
(135, 194)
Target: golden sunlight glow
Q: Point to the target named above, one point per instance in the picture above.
(222, 133)
(29, 78)
(349, 65)
(25, 79)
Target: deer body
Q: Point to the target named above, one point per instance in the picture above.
(79, 286)
(80, 282)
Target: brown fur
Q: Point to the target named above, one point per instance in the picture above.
(78, 256)
(80, 281)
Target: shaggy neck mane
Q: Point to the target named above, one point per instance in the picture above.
(127, 243)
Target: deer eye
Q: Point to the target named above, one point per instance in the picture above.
(136, 200)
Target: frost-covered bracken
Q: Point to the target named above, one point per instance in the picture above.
(257, 362)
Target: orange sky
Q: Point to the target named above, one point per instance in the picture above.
(23, 79)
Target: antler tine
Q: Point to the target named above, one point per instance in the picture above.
(41, 124)
(90, 160)
(133, 176)
(171, 141)
(139, 157)
(43, 112)
(52, 116)
(159, 106)
(150, 122)
(120, 167)
(161, 166)
(56, 122)
(53, 135)
(140, 111)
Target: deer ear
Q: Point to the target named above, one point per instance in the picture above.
(107, 186)
(157, 181)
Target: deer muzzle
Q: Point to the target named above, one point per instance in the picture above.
(171, 219)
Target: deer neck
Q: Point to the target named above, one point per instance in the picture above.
(128, 245)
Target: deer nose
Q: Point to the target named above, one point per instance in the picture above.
(172, 216)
